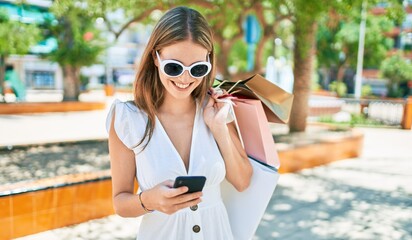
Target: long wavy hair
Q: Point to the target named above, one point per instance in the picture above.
(176, 25)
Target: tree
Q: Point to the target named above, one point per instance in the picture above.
(79, 43)
(306, 18)
(397, 70)
(15, 38)
(338, 40)
(225, 17)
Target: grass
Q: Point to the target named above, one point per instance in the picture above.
(357, 120)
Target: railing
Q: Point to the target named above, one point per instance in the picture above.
(392, 112)
(388, 112)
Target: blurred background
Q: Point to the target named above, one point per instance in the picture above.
(347, 62)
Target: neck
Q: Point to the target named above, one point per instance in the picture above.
(177, 106)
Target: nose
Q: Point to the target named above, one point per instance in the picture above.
(185, 76)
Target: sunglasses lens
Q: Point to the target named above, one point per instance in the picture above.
(199, 70)
(173, 69)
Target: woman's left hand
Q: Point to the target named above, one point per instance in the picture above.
(215, 114)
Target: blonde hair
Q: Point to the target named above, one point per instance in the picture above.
(176, 25)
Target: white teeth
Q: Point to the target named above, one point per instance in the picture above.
(180, 85)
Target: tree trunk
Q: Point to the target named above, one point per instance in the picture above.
(71, 83)
(303, 63)
(2, 74)
(340, 74)
(260, 62)
(341, 70)
(222, 59)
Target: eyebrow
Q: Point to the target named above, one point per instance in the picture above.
(207, 60)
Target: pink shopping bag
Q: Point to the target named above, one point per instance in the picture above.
(255, 131)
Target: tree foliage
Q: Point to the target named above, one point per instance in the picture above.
(15, 38)
(307, 15)
(225, 17)
(338, 40)
(396, 70)
(79, 41)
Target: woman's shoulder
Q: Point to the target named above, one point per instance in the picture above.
(128, 106)
(129, 121)
(126, 112)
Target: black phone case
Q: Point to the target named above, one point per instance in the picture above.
(194, 183)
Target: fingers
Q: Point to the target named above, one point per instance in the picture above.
(223, 104)
(223, 109)
(174, 192)
(189, 203)
(187, 197)
(177, 203)
(171, 192)
(210, 102)
(185, 201)
(169, 183)
(171, 200)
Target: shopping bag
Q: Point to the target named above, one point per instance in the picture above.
(245, 209)
(254, 131)
(277, 103)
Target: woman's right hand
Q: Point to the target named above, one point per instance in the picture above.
(164, 198)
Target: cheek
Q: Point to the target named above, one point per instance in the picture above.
(198, 83)
(163, 83)
(163, 79)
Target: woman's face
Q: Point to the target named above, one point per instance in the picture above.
(187, 53)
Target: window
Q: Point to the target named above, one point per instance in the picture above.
(40, 79)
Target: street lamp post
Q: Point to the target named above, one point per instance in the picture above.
(359, 67)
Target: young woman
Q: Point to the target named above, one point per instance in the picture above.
(173, 128)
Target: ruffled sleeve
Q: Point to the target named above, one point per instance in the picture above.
(129, 122)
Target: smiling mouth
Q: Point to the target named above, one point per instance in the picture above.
(181, 85)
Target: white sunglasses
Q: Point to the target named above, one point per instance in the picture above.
(173, 68)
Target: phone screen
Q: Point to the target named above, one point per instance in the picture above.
(194, 183)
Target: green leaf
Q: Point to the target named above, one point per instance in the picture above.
(16, 37)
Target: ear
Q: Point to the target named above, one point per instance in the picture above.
(156, 62)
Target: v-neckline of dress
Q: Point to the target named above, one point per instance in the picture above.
(194, 129)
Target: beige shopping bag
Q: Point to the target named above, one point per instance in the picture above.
(277, 103)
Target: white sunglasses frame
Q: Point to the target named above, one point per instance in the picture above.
(164, 62)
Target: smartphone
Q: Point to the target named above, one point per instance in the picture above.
(194, 183)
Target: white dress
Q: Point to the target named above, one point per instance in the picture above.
(160, 161)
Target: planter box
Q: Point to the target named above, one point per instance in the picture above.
(23, 108)
(32, 207)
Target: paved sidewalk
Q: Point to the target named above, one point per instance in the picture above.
(365, 198)
(42, 128)
(51, 127)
